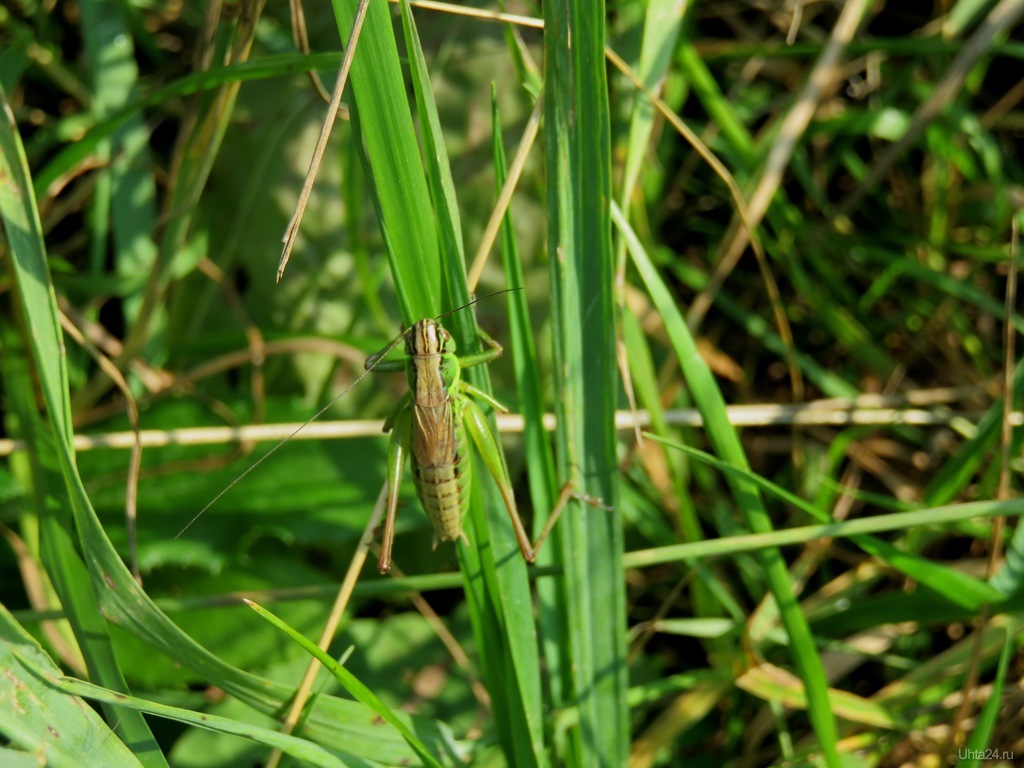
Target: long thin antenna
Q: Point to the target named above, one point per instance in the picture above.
(369, 369)
(474, 301)
(372, 362)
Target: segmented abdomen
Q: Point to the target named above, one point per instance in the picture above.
(443, 488)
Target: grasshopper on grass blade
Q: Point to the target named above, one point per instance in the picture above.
(432, 425)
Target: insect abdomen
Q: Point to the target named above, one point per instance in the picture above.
(444, 490)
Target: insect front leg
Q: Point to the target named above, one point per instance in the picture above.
(398, 449)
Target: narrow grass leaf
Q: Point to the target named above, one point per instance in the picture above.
(501, 600)
(709, 401)
(578, 167)
(350, 683)
(955, 585)
(537, 449)
(979, 744)
(750, 542)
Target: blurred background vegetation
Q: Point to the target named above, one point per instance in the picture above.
(876, 148)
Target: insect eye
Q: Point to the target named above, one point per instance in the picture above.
(445, 335)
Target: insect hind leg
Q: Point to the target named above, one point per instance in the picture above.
(568, 492)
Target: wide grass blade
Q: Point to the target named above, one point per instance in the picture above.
(578, 164)
(384, 125)
(38, 719)
(494, 573)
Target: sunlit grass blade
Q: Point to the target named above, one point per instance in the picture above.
(384, 124)
(38, 348)
(351, 684)
(956, 586)
(578, 165)
(500, 600)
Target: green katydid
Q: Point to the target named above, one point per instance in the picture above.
(431, 424)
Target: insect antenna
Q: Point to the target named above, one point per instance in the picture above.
(476, 300)
(372, 363)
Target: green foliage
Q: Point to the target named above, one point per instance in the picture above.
(759, 591)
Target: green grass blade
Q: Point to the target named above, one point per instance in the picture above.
(979, 744)
(391, 151)
(537, 450)
(578, 164)
(351, 684)
(751, 542)
(500, 600)
(958, 587)
(298, 748)
(720, 432)
(53, 460)
(45, 722)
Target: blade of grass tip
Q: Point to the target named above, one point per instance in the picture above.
(709, 401)
(350, 683)
(578, 165)
(54, 460)
(292, 232)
